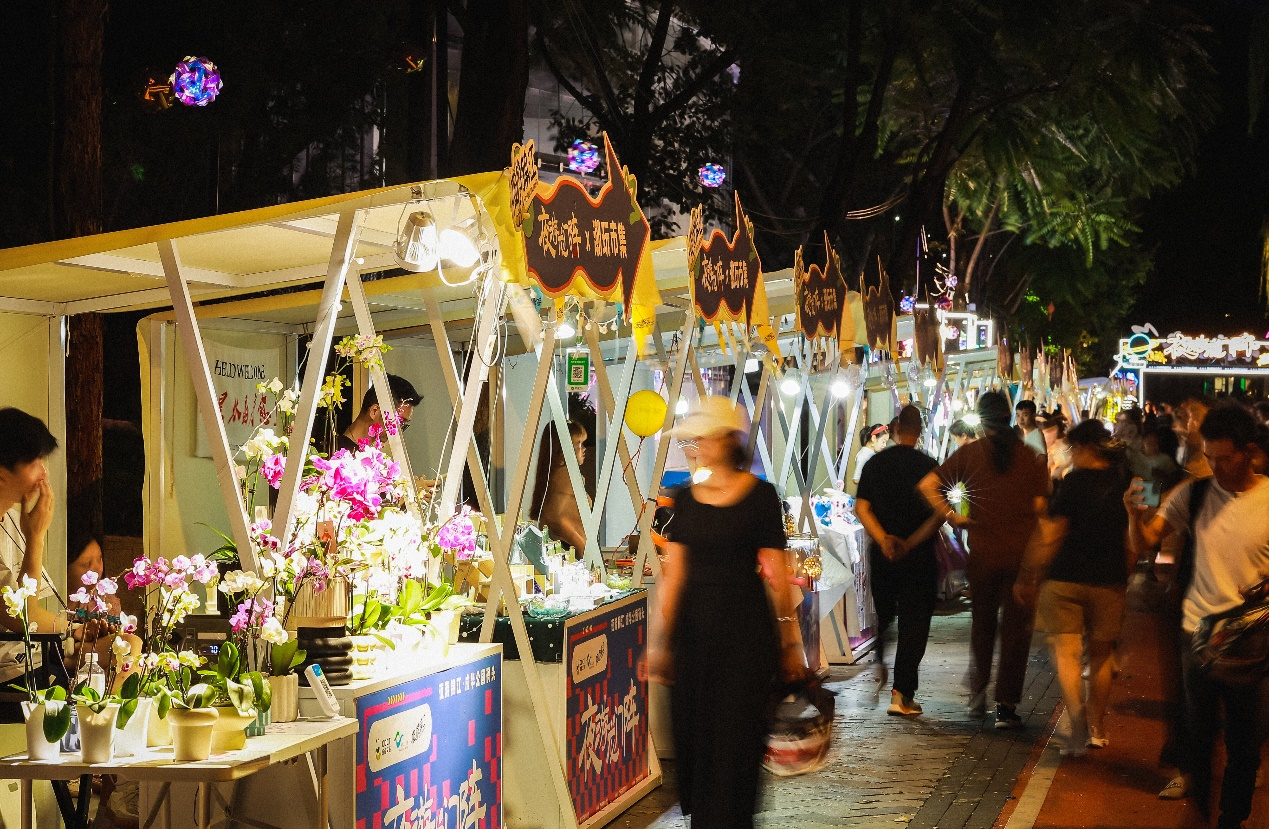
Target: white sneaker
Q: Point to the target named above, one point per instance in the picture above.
(1096, 739)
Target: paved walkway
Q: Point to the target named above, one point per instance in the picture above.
(947, 770)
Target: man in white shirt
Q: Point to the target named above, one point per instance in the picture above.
(1029, 428)
(1230, 554)
(26, 513)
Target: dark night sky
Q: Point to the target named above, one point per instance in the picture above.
(1207, 231)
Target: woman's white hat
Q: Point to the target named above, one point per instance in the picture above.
(712, 416)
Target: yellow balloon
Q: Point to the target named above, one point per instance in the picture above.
(645, 413)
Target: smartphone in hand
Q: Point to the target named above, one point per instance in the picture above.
(1151, 492)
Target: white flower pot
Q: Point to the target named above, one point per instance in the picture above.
(134, 737)
(160, 730)
(37, 747)
(286, 697)
(191, 733)
(97, 732)
(447, 622)
(229, 732)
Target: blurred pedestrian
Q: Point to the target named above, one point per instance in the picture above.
(722, 644)
(903, 568)
(1226, 522)
(1079, 551)
(1005, 483)
(1029, 426)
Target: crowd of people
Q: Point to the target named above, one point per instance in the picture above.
(1056, 521)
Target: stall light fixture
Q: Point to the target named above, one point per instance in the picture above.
(930, 382)
(681, 407)
(457, 248)
(840, 388)
(792, 382)
(567, 326)
(972, 420)
(752, 365)
(417, 247)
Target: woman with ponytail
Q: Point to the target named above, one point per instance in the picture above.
(1005, 485)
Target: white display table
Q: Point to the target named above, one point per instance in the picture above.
(155, 768)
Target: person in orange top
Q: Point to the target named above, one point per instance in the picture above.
(1006, 485)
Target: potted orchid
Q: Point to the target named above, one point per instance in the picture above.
(47, 714)
(188, 705)
(255, 630)
(169, 599)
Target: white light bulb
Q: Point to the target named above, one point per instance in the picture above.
(840, 387)
(565, 329)
(681, 406)
(792, 382)
(457, 248)
(972, 420)
(930, 382)
(416, 248)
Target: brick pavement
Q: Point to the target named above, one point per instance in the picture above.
(944, 769)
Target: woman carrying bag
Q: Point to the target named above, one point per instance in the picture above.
(722, 642)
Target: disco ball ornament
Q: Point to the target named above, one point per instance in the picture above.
(712, 175)
(907, 305)
(583, 157)
(945, 303)
(952, 281)
(195, 82)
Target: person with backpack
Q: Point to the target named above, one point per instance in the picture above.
(1225, 519)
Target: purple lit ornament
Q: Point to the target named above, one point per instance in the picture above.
(907, 305)
(583, 157)
(195, 82)
(711, 175)
(944, 303)
(952, 281)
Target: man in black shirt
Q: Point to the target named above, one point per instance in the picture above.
(405, 399)
(901, 559)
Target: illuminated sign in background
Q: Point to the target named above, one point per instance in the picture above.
(607, 706)
(1145, 348)
(429, 751)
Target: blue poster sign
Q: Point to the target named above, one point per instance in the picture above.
(607, 705)
(429, 752)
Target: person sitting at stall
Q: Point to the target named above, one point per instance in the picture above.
(26, 513)
(554, 504)
(371, 414)
(963, 433)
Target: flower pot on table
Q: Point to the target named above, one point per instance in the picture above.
(229, 732)
(38, 746)
(97, 732)
(160, 730)
(260, 723)
(286, 698)
(133, 738)
(191, 733)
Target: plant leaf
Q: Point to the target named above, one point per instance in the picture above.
(126, 710)
(56, 723)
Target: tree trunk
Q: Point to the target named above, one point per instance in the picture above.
(491, 91)
(81, 32)
(84, 369)
(427, 98)
(962, 290)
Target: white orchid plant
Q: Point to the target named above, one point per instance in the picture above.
(56, 716)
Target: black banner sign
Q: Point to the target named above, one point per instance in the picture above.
(569, 235)
(820, 295)
(725, 274)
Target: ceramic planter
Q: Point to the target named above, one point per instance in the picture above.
(191, 733)
(133, 738)
(160, 730)
(37, 747)
(97, 732)
(229, 733)
(365, 656)
(286, 697)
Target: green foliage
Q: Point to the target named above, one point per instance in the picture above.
(57, 713)
(247, 691)
(285, 658)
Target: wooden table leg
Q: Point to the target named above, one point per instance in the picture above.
(323, 803)
(85, 798)
(204, 806)
(28, 804)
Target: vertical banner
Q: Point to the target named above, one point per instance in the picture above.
(607, 705)
(235, 373)
(429, 752)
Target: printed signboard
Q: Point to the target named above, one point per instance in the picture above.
(607, 706)
(429, 752)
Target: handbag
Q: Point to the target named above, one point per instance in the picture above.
(1233, 647)
(801, 729)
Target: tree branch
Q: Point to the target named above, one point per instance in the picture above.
(591, 47)
(652, 60)
(693, 87)
(591, 102)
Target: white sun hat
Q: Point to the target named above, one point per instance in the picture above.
(712, 416)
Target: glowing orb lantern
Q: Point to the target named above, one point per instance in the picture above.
(952, 281)
(907, 305)
(645, 413)
(944, 303)
(196, 82)
(711, 175)
(583, 157)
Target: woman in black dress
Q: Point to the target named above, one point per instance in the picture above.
(722, 642)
